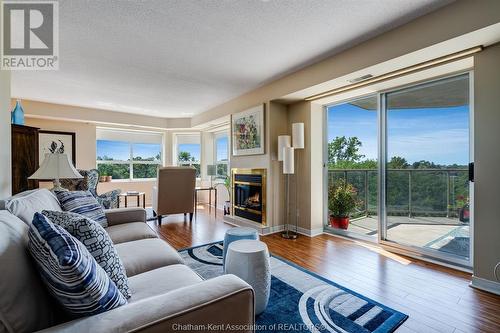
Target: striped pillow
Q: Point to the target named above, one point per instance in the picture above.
(70, 272)
(97, 241)
(84, 203)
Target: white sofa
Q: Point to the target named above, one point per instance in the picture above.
(165, 292)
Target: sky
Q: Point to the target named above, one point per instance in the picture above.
(192, 148)
(119, 150)
(221, 145)
(439, 135)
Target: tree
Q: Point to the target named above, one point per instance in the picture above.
(343, 149)
(185, 156)
(398, 162)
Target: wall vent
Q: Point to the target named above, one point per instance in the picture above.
(361, 78)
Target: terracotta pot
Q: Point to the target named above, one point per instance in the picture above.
(464, 214)
(339, 222)
(102, 179)
(108, 178)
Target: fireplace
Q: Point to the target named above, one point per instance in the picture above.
(249, 194)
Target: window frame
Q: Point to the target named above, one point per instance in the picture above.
(131, 162)
(218, 135)
(176, 150)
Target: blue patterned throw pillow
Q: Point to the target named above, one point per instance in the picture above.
(97, 241)
(70, 272)
(84, 203)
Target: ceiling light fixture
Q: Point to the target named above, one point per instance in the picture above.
(399, 72)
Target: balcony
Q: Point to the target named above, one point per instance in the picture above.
(426, 208)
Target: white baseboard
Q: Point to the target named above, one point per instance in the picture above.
(486, 285)
(268, 230)
(307, 232)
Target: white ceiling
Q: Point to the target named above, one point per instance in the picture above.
(177, 58)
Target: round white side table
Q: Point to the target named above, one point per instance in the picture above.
(249, 260)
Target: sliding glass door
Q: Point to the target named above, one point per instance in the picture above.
(352, 158)
(427, 182)
(405, 154)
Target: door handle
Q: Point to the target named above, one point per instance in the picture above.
(471, 171)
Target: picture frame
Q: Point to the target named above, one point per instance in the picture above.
(56, 141)
(248, 131)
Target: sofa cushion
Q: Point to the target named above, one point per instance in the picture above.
(69, 270)
(97, 241)
(25, 204)
(82, 202)
(163, 279)
(146, 254)
(25, 304)
(130, 231)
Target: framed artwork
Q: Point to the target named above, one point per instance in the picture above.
(56, 142)
(247, 130)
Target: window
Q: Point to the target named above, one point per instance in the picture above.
(221, 154)
(128, 155)
(188, 150)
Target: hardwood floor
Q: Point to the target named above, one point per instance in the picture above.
(436, 298)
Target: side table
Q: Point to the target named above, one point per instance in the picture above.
(249, 260)
(126, 195)
(209, 189)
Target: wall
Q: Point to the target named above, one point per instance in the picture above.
(107, 117)
(85, 137)
(5, 145)
(308, 178)
(487, 160)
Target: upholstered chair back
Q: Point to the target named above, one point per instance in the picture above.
(89, 182)
(175, 190)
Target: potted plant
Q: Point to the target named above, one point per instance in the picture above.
(463, 211)
(341, 202)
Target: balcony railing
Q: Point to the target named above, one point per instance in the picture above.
(410, 192)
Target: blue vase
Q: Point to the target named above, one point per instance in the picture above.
(17, 115)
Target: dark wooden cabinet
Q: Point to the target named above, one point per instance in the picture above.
(24, 157)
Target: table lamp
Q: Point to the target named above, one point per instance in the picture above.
(56, 166)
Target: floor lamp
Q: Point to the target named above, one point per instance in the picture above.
(288, 169)
(298, 145)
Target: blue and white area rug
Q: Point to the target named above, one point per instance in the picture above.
(302, 301)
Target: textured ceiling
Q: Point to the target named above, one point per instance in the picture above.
(177, 58)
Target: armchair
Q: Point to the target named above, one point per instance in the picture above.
(174, 192)
(89, 182)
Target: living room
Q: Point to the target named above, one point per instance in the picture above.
(320, 166)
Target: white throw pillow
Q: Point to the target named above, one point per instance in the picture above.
(24, 205)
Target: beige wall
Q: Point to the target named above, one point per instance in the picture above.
(113, 118)
(5, 166)
(85, 137)
(487, 161)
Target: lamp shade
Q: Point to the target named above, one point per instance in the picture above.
(211, 171)
(283, 141)
(288, 160)
(56, 166)
(298, 135)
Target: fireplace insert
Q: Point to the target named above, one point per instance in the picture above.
(249, 194)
